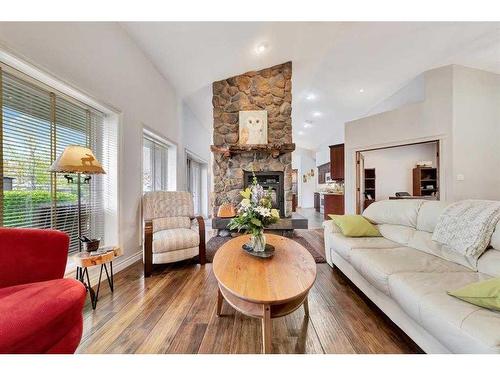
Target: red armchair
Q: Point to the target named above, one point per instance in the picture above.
(40, 312)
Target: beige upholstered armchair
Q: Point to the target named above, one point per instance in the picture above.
(171, 232)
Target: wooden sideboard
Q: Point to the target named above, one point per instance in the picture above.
(334, 204)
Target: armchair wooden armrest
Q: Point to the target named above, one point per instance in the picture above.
(201, 230)
(148, 248)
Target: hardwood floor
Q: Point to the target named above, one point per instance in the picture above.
(315, 219)
(174, 311)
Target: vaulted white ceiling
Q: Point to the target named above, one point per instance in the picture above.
(332, 60)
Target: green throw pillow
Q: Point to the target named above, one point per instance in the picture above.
(483, 293)
(355, 226)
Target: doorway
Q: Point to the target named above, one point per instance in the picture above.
(408, 171)
(197, 183)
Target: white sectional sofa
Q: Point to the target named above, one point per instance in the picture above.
(407, 275)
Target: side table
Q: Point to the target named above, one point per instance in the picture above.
(100, 257)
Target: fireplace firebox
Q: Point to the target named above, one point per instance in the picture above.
(270, 181)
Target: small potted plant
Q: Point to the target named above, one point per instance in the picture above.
(255, 212)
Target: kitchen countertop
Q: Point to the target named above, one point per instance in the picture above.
(329, 193)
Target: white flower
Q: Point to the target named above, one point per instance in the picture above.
(263, 211)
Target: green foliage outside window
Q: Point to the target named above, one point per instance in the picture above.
(19, 206)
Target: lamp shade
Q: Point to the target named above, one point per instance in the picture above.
(77, 159)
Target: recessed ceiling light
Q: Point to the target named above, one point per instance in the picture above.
(261, 48)
(317, 114)
(311, 96)
(308, 124)
(300, 132)
(361, 90)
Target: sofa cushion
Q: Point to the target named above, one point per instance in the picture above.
(35, 317)
(397, 212)
(343, 245)
(428, 215)
(423, 241)
(489, 263)
(495, 238)
(408, 289)
(398, 233)
(376, 265)
(175, 239)
(460, 326)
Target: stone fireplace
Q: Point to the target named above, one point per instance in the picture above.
(268, 89)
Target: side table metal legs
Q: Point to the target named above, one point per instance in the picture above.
(83, 273)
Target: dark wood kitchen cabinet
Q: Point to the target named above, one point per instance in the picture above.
(337, 162)
(334, 204)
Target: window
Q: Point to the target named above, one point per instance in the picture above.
(155, 164)
(36, 125)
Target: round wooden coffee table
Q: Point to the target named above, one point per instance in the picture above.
(264, 288)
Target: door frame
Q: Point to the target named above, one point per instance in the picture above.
(204, 203)
(437, 141)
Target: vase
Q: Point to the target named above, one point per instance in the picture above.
(258, 242)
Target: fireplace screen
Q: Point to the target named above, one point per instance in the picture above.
(270, 181)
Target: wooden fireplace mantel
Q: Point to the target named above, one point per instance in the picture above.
(275, 149)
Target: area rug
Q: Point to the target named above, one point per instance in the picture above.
(311, 239)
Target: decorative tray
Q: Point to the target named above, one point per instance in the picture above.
(267, 253)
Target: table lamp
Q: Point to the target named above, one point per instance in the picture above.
(77, 159)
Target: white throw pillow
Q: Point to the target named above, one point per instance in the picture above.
(395, 211)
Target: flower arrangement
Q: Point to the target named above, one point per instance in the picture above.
(255, 212)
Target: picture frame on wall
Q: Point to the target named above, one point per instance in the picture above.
(252, 127)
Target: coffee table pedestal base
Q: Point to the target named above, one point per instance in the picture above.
(263, 311)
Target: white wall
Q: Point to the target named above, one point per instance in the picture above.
(304, 160)
(394, 167)
(197, 140)
(476, 133)
(461, 109)
(412, 92)
(323, 155)
(430, 119)
(101, 60)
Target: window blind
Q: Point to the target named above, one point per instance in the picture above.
(36, 126)
(155, 165)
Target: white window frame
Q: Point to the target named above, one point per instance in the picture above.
(171, 157)
(113, 122)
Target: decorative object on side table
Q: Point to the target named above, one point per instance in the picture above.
(79, 160)
(255, 212)
(90, 245)
(101, 257)
(226, 210)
